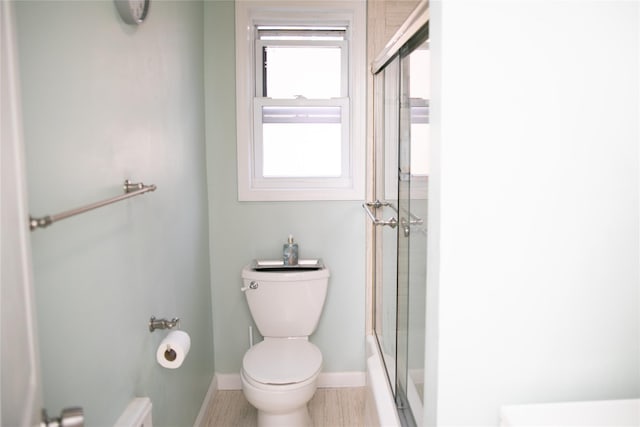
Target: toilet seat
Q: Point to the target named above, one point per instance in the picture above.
(279, 389)
(282, 361)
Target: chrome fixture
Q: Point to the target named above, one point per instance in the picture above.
(391, 222)
(252, 285)
(69, 417)
(162, 323)
(130, 190)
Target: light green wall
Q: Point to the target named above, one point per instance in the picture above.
(104, 101)
(240, 232)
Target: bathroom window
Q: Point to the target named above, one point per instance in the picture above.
(300, 109)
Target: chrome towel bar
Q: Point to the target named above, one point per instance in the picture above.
(130, 190)
(391, 222)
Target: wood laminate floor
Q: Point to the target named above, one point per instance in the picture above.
(330, 407)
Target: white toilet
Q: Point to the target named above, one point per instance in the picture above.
(279, 375)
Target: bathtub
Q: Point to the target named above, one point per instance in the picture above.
(618, 413)
(137, 414)
(380, 408)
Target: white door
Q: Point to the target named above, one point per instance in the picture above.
(19, 363)
(21, 387)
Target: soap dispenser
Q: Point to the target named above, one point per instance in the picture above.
(290, 252)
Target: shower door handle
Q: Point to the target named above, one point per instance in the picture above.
(391, 222)
(406, 225)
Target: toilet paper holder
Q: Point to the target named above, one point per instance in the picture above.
(162, 323)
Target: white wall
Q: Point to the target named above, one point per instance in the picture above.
(534, 250)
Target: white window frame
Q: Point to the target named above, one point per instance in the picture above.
(251, 185)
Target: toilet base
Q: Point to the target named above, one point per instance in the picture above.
(280, 405)
(298, 418)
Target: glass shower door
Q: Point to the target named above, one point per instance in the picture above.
(385, 237)
(401, 178)
(413, 175)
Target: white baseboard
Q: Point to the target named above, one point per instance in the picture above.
(229, 381)
(342, 379)
(213, 387)
(325, 380)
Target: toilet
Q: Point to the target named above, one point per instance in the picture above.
(279, 375)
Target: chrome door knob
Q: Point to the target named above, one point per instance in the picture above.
(69, 417)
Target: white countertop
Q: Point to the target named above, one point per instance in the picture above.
(609, 413)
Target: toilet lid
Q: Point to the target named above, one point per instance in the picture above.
(282, 361)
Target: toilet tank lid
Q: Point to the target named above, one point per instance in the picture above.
(284, 276)
(282, 361)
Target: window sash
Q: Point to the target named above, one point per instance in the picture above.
(336, 104)
(260, 45)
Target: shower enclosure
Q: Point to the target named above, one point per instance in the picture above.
(401, 134)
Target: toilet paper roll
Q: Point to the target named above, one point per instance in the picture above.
(173, 349)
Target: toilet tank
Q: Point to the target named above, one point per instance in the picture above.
(286, 303)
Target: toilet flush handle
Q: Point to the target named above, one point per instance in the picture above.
(252, 285)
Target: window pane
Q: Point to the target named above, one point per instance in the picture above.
(301, 150)
(311, 72)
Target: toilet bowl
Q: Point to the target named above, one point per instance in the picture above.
(279, 375)
(280, 406)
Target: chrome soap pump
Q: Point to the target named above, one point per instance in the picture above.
(290, 252)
